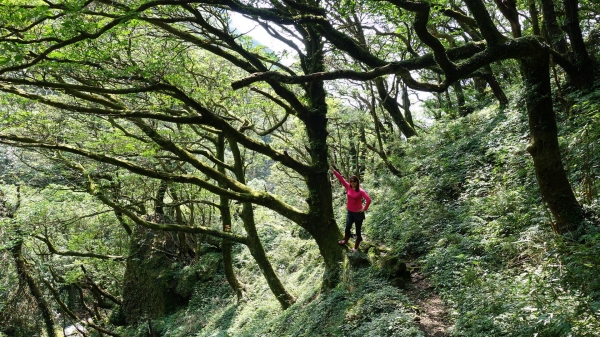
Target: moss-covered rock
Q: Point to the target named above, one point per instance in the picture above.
(203, 270)
(117, 317)
(358, 259)
(149, 281)
(395, 270)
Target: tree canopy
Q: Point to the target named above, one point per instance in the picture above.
(168, 111)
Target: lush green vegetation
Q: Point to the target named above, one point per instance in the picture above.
(164, 173)
(472, 215)
(468, 212)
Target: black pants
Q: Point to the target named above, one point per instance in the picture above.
(357, 218)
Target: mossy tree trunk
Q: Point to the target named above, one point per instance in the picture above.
(551, 31)
(583, 63)
(253, 240)
(544, 148)
(227, 245)
(552, 179)
(320, 222)
(148, 285)
(148, 290)
(36, 292)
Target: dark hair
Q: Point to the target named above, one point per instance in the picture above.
(357, 182)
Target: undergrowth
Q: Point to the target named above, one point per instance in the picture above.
(468, 211)
(362, 304)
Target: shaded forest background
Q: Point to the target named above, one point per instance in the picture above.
(164, 174)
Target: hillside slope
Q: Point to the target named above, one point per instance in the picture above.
(467, 216)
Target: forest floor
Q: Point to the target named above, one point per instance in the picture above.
(433, 318)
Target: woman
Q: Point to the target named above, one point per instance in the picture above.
(356, 210)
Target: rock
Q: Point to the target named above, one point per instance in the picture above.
(74, 331)
(149, 281)
(358, 259)
(203, 270)
(400, 282)
(396, 271)
(393, 267)
(117, 317)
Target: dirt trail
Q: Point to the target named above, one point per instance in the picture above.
(432, 317)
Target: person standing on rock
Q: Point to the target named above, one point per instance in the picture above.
(355, 208)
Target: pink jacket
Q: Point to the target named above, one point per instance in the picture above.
(354, 198)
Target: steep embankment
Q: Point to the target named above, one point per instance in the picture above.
(468, 216)
(469, 210)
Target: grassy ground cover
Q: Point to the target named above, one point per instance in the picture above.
(467, 212)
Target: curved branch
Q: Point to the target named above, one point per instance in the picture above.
(274, 127)
(78, 87)
(439, 52)
(484, 22)
(476, 56)
(243, 193)
(101, 291)
(391, 68)
(212, 158)
(104, 112)
(276, 100)
(254, 63)
(217, 122)
(186, 156)
(72, 315)
(53, 250)
(206, 117)
(320, 76)
(81, 37)
(168, 227)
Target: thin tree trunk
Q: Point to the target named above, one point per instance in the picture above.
(508, 8)
(227, 246)
(406, 105)
(391, 106)
(184, 247)
(552, 179)
(362, 167)
(533, 14)
(353, 155)
(583, 62)
(23, 272)
(389, 103)
(460, 98)
(379, 147)
(254, 244)
(22, 268)
(552, 32)
(448, 104)
(160, 198)
(495, 86)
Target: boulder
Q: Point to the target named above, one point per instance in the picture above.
(358, 259)
(396, 271)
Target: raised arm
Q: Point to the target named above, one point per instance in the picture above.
(340, 178)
